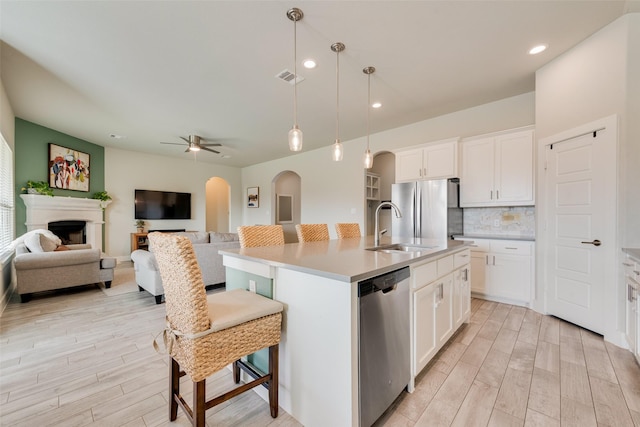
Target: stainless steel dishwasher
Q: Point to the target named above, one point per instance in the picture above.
(384, 358)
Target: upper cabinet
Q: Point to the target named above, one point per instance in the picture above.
(437, 160)
(498, 170)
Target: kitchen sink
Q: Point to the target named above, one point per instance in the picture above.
(401, 247)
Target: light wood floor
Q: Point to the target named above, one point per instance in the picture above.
(79, 357)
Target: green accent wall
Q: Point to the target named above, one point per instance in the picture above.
(32, 163)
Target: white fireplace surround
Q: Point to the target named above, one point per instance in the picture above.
(41, 210)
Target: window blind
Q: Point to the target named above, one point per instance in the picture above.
(7, 210)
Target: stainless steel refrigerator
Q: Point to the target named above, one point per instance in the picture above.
(430, 209)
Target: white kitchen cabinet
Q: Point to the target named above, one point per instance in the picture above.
(498, 170)
(437, 160)
(461, 295)
(424, 309)
(632, 283)
(441, 302)
(502, 270)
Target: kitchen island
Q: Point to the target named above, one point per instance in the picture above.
(317, 283)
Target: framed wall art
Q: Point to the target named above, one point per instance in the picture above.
(68, 168)
(253, 197)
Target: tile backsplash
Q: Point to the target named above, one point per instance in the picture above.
(504, 221)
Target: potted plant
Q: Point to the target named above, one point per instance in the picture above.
(104, 198)
(38, 187)
(140, 225)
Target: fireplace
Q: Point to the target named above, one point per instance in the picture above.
(70, 232)
(45, 210)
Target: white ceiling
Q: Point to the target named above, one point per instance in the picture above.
(156, 70)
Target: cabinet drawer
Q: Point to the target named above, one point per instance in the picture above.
(445, 265)
(461, 258)
(511, 247)
(481, 245)
(424, 274)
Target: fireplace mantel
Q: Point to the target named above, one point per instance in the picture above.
(41, 210)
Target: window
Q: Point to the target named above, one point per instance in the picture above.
(7, 210)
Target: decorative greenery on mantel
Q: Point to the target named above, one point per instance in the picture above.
(39, 187)
(101, 195)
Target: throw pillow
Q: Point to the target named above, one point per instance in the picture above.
(223, 237)
(61, 248)
(39, 243)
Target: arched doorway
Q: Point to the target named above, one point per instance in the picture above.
(384, 167)
(286, 195)
(217, 207)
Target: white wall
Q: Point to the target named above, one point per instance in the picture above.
(598, 78)
(126, 171)
(334, 191)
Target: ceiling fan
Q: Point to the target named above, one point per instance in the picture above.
(194, 143)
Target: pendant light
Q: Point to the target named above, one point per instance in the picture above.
(295, 134)
(368, 158)
(336, 149)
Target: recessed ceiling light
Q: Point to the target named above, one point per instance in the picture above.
(309, 63)
(376, 105)
(115, 136)
(537, 49)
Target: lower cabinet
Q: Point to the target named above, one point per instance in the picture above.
(632, 282)
(502, 270)
(441, 303)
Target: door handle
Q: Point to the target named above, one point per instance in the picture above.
(594, 243)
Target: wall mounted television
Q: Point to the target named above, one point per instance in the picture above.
(150, 204)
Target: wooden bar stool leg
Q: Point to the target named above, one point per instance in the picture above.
(236, 372)
(273, 383)
(199, 402)
(174, 389)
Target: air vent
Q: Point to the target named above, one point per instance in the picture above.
(288, 77)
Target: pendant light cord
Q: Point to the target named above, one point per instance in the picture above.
(338, 95)
(295, 74)
(368, 108)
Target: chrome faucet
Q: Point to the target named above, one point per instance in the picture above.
(376, 236)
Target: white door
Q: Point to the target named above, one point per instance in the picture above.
(581, 215)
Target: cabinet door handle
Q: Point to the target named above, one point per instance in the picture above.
(509, 247)
(494, 260)
(497, 194)
(465, 274)
(487, 259)
(491, 195)
(627, 264)
(594, 243)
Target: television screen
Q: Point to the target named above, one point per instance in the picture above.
(151, 204)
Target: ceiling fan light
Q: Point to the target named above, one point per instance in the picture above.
(194, 147)
(337, 151)
(295, 139)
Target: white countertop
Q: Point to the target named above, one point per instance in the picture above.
(634, 252)
(495, 237)
(345, 260)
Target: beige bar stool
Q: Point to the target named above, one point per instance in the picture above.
(347, 230)
(260, 235)
(206, 333)
(312, 232)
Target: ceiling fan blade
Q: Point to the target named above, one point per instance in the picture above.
(209, 149)
(185, 139)
(187, 150)
(211, 145)
(172, 143)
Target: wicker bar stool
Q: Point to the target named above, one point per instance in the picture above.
(252, 236)
(347, 230)
(206, 333)
(312, 232)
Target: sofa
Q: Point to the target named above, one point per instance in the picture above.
(205, 245)
(43, 264)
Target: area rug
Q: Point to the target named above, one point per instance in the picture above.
(123, 281)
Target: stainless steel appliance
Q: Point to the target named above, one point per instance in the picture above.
(384, 355)
(430, 209)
